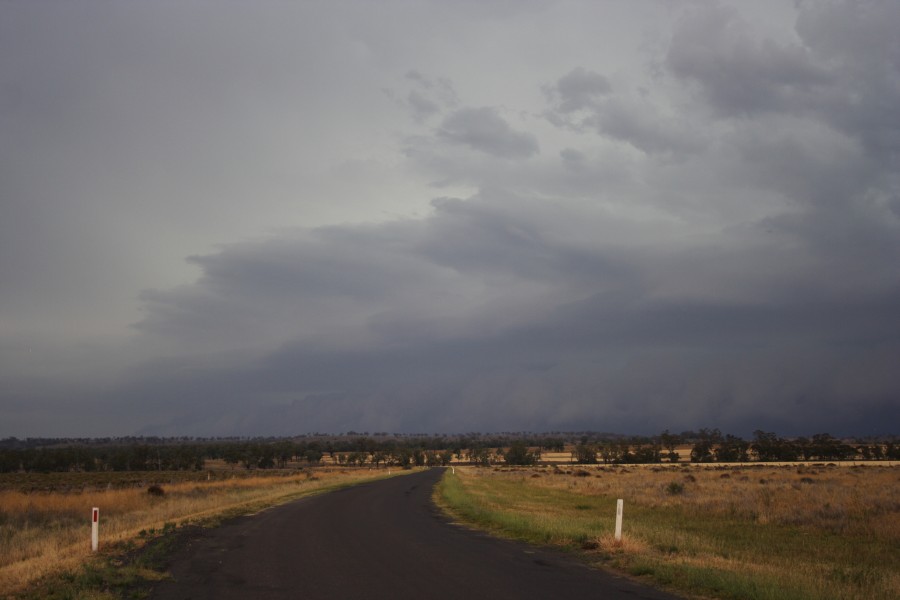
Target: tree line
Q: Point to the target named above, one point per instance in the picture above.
(516, 448)
(711, 445)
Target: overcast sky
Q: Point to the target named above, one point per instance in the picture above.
(222, 218)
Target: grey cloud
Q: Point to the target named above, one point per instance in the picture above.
(421, 106)
(429, 96)
(739, 74)
(637, 123)
(578, 89)
(573, 159)
(419, 78)
(583, 101)
(808, 163)
(642, 127)
(713, 246)
(485, 130)
(427, 321)
(843, 72)
(860, 46)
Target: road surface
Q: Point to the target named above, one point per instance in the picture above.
(380, 540)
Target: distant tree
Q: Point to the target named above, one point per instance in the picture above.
(706, 441)
(609, 452)
(519, 454)
(403, 457)
(669, 441)
(624, 452)
(265, 457)
(313, 455)
(732, 449)
(769, 447)
(231, 454)
(585, 454)
(824, 447)
(284, 453)
(647, 454)
(10, 461)
(892, 451)
(480, 455)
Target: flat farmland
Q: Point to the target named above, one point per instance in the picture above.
(750, 531)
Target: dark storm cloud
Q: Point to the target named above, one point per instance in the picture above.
(428, 321)
(485, 130)
(715, 246)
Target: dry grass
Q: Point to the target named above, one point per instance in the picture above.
(743, 531)
(856, 500)
(45, 532)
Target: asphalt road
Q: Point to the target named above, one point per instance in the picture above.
(384, 539)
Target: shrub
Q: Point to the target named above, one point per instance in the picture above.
(520, 454)
(674, 488)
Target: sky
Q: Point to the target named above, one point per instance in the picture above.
(276, 218)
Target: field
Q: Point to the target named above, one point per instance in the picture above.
(45, 518)
(746, 531)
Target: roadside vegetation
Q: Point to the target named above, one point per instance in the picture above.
(798, 532)
(46, 527)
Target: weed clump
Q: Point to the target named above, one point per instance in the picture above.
(675, 489)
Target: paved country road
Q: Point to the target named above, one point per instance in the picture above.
(384, 539)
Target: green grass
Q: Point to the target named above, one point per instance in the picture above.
(695, 554)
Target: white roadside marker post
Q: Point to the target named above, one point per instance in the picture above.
(95, 529)
(619, 519)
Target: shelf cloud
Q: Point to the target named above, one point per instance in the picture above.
(449, 223)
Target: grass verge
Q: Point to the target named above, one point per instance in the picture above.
(714, 534)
